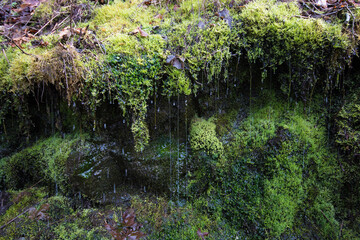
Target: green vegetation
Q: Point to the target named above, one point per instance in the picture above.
(240, 120)
(46, 160)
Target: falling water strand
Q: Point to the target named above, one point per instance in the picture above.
(155, 107)
(170, 142)
(186, 150)
(250, 99)
(178, 145)
(56, 187)
(114, 188)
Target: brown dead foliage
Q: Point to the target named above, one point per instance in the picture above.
(127, 229)
(61, 67)
(19, 23)
(40, 214)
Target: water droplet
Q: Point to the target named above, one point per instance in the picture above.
(158, 109)
(104, 198)
(123, 151)
(152, 101)
(124, 121)
(73, 127)
(174, 104)
(79, 195)
(114, 188)
(144, 189)
(125, 172)
(105, 125)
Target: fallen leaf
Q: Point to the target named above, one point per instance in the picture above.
(143, 33)
(41, 213)
(170, 58)
(130, 229)
(177, 62)
(65, 33)
(202, 235)
(201, 25)
(159, 16)
(175, 8)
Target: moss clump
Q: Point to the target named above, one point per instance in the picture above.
(348, 123)
(22, 200)
(62, 68)
(46, 159)
(134, 82)
(279, 161)
(203, 138)
(273, 34)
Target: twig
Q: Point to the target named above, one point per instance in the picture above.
(353, 21)
(14, 218)
(299, 16)
(64, 71)
(29, 54)
(341, 227)
(325, 216)
(62, 46)
(46, 24)
(36, 183)
(58, 25)
(5, 56)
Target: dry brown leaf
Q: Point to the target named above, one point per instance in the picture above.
(143, 33)
(41, 213)
(202, 235)
(159, 16)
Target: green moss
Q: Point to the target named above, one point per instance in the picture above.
(22, 201)
(276, 37)
(135, 79)
(203, 138)
(47, 159)
(279, 156)
(348, 123)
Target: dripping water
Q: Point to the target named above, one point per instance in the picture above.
(178, 146)
(170, 144)
(114, 188)
(186, 150)
(56, 187)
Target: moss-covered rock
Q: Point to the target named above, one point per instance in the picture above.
(45, 160)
